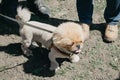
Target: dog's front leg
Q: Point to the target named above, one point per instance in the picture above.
(25, 47)
(52, 57)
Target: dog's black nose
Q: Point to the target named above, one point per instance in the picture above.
(78, 46)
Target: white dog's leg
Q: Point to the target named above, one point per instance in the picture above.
(54, 64)
(25, 47)
(26, 42)
(25, 50)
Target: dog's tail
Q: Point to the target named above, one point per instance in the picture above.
(23, 14)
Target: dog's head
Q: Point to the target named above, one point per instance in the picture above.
(69, 38)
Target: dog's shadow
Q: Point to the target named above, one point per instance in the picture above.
(12, 49)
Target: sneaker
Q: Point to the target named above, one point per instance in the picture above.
(111, 33)
(86, 29)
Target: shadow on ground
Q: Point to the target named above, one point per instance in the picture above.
(100, 27)
(12, 49)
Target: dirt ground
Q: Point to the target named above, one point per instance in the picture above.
(99, 60)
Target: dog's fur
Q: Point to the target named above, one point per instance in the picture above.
(30, 34)
(65, 42)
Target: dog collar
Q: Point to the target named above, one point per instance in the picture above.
(63, 51)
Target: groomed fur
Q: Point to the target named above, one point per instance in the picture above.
(31, 34)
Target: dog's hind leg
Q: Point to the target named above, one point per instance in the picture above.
(26, 44)
(26, 51)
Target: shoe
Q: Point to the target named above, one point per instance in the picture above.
(86, 29)
(44, 10)
(111, 33)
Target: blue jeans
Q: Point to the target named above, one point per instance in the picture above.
(111, 13)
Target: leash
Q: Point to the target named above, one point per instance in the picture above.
(21, 22)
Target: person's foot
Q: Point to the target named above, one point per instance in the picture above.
(111, 33)
(45, 10)
(86, 29)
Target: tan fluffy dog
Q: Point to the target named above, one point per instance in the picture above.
(67, 43)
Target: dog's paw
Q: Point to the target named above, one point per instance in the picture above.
(74, 58)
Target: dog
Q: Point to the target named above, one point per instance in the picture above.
(66, 41)
(30, 34)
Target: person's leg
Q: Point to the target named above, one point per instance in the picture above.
(85, 11)
(112, 17)
(112, 12)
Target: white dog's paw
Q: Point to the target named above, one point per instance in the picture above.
(74, 58)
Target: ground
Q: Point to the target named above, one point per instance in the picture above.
(98, 61)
